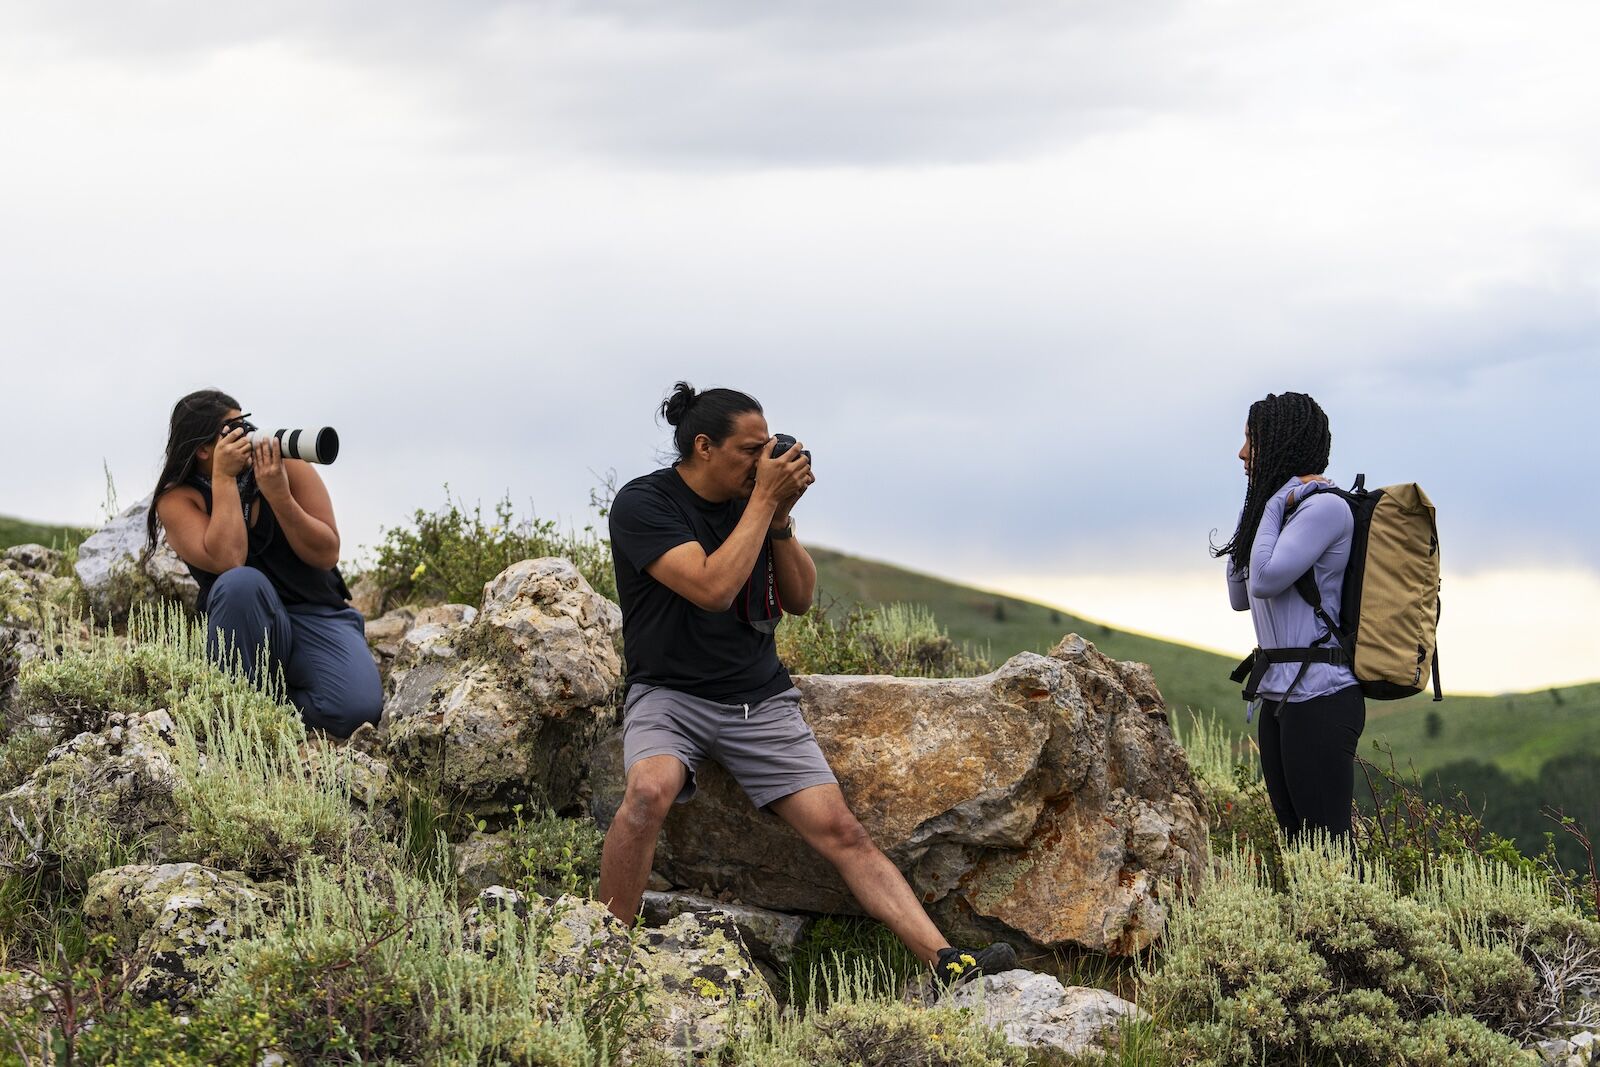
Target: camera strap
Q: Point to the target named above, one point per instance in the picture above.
(759, 604)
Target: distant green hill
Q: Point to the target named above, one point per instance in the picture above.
(1517, 732)
(22, 532)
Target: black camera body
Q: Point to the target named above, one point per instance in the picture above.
(783, 443)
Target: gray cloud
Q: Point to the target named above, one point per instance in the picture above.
(712, 84)
(484, 239)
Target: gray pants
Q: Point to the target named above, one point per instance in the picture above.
(767, 747)
(320, 650)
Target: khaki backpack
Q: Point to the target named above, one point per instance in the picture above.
(1389, 610)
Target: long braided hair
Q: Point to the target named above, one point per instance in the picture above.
(1288, 437)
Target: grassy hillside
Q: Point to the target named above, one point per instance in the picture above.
(22, 532)
(1517, 732)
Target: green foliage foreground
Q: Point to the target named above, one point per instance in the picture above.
(1432, 945)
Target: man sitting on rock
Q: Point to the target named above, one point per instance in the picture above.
(707, 563)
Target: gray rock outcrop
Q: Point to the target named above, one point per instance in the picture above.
(698, 977)
(174, 920)
(771, 936)
(113, 577)
(1047, 802)
(504, 707)
(387, 635)
(119, 780)
(1036, 1011)
(33, 596)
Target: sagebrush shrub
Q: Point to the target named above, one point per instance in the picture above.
(160, 663)
(1342, 967)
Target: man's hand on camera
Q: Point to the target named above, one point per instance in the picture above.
(784, 479)
(271, 476)
(780, 516)
(231, 454)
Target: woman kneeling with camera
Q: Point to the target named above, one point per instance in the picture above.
(257, 532)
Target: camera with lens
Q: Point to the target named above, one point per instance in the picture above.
(316, 445)
(783, 443)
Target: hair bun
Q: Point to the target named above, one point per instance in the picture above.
(677, 405)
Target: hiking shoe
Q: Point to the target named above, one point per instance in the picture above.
(959, 965)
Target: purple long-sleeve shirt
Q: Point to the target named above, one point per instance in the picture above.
(1316, 537)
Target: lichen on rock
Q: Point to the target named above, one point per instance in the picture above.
(503, 708)
(175, 920)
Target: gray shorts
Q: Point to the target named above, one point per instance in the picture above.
(767, 747)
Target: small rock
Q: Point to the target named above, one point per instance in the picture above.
(771, 936)
(481, 861)
(366, 596)
(33, 557)
(1036, 1011)
(121, 777)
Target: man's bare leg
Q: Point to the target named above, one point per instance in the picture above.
(630, 848)
(820, 815)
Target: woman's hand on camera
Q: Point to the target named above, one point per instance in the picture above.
(272, 478)
(231, 455)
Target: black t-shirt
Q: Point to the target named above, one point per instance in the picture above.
(666, 640)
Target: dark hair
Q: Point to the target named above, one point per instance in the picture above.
(712, 412)
(196, 419)
(1289, 437)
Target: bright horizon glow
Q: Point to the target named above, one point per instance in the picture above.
(1500, 631)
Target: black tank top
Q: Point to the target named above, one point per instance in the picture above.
(269, 551)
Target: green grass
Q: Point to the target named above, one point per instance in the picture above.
(1517, 732)
(22, 532)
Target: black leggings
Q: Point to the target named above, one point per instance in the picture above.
(1308, 753)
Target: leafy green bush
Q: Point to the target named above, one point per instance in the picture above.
(552, 856)
(901, 639)
(154, 1034)
(448, 555)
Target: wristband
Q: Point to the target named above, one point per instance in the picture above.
(785, 534)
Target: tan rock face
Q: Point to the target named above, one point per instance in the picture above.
(503, 705)
(1045, 802)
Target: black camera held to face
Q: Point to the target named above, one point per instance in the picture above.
(318, 445)
(783, 442)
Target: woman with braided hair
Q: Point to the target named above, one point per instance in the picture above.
(1312, 714)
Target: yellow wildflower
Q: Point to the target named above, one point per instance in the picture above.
(422, 568)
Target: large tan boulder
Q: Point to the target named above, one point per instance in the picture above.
(1047, 802)
(502, 707)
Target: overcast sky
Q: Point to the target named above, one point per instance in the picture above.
(1013, 271)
